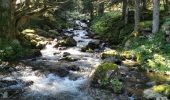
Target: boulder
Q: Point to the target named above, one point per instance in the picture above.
(157, 92)
(109, 53)
(107, 76)
(92, 45)
(66, 42)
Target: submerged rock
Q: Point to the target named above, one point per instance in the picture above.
(69, 59)
(73, 68)
(60, 71)
(65, 54)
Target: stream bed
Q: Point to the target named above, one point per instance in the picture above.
(51, 77)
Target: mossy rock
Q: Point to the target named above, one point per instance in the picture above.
(106, 76)
(158, 91)
(109, 53)
(130, 63)
(128, 55)
(163, 89)
(101, 73)
(119, 55)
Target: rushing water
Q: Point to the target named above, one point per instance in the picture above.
(49, 86)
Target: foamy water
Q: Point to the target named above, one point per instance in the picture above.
(50, 84)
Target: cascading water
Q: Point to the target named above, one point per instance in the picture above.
(48, 85)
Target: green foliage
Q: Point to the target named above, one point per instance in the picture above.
(111, 28)
(145, 24)
(116, 85)
(152, 52)
(104, 67)
(10, 50)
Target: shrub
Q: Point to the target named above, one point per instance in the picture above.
(111, 28)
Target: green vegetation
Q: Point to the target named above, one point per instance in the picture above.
(152, 51)
(106, 81)
(111, 28)
(12, 50)
(134, 34)
(163, 89)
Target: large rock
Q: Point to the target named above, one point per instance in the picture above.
(157, 92)
(107, 76)
(66, 42)
(109, 53)
(34, 38)
(92, 45)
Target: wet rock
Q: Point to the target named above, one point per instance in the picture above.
(62, 48)
(69, 59)
(65, 54)
(80, 41)
(56, 53)
(73, 68)
(6, 83)
(91, 46)
(60, 71)
(66, 42)
(150, 94)
(150, 84)
(74, 76)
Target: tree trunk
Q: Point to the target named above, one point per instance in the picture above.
(125, 11)
(6, 19)
(166, 5)
(137, 16)
(101, 8)
(91, 14)
(144, 6)
(156, 8)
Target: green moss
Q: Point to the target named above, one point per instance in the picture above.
(106, 81)
(145, 24)
(10, 50)
(116, 85)
(106, 66)
(163, 89)
(125, 54)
